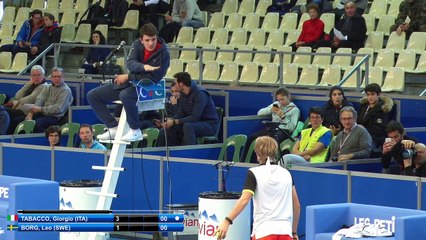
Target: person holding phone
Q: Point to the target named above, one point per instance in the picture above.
(332, 108)
(283, 111)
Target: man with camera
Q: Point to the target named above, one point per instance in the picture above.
(414, 160)
(395, 143)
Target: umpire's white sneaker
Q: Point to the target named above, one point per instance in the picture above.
(108, 135)
(132, 135)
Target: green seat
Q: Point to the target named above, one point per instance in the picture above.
(2, 98)
(214, 138)
(287, 145)
(150, 135)
(70, 129)
(98, 129)
(307, 123)
(250, 152)
(299, 127)
(237, 141)
(26, 126)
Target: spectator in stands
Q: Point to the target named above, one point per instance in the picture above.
(53, 134)
(419, 168)
(116, 11)
(353, 30)
(276, 204)
(185, 13)
(51, 34)
(149, 58)
(152, 8)
(339, 11)
(96, 56)
(416, 11)
(312, 30)
(354, 142)
(314, 142)
(4, 121)
(196, 117)
(332, 109)
(29, 35)
(374, 113)
(172, 105)
(86, 136)
(52, 103)
(26, 95)
(394, 144)
(284, 112)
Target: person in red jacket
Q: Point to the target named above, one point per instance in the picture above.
(312, 30)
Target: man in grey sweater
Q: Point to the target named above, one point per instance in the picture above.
(354, 142)
(52, 103)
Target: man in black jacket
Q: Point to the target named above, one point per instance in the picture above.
(393, 146)
(415, 165)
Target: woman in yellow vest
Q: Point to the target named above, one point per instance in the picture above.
(314, 142)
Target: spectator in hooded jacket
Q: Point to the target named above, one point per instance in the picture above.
(50, 34)
(374, 113)
(28, 36)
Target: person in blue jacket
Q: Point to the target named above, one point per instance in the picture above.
(28, 36)
(196, 116)
(96, 56)
(149, 58)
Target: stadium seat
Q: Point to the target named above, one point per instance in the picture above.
(131, 21)
(103, 28)
(262, 58)
(8, 15)
(6, 40)
(83, 33)
(370, 22)
(66, 5)
(244, 57)
(185, 35)
(68, 33)
(290, 73)
(364, 51)
(188, 53)
(251, 22)
(322, 61)
(175, 66)
(5, 60)
(343, 61)
(220, 37)
(229, 72)
(122, 64)
(246, 7)
(22, 15)
(193, 68)
(225, 56)
(26, 126)
(261, 7)
(300, 59)
(375, 75)
(396, 42)
(257, 38)
(6, 30)
(37, 4)
(378, 8)
(208, 55)
(68, 17)
(70, 130)
(236, 141)
(303, 18)
(275, 39)
(52, 5)
(202, 36)
(289, 22)
(286, 56)
(394, 8)
(269, 73)
(271, 21)
(239, 37)
(292, 37)
(81, 5)
(417, 42)
(328, 19)
(375, 41)
(229, 7)
(385, 59)
(331, 76)
(211, 71)
(394, 80)
(217, 20)
(309, 75)
(384, 24)
(18, 64)
(421, 64)
(235, 20)
(249, 73)
(352, 80)
(406, 60)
